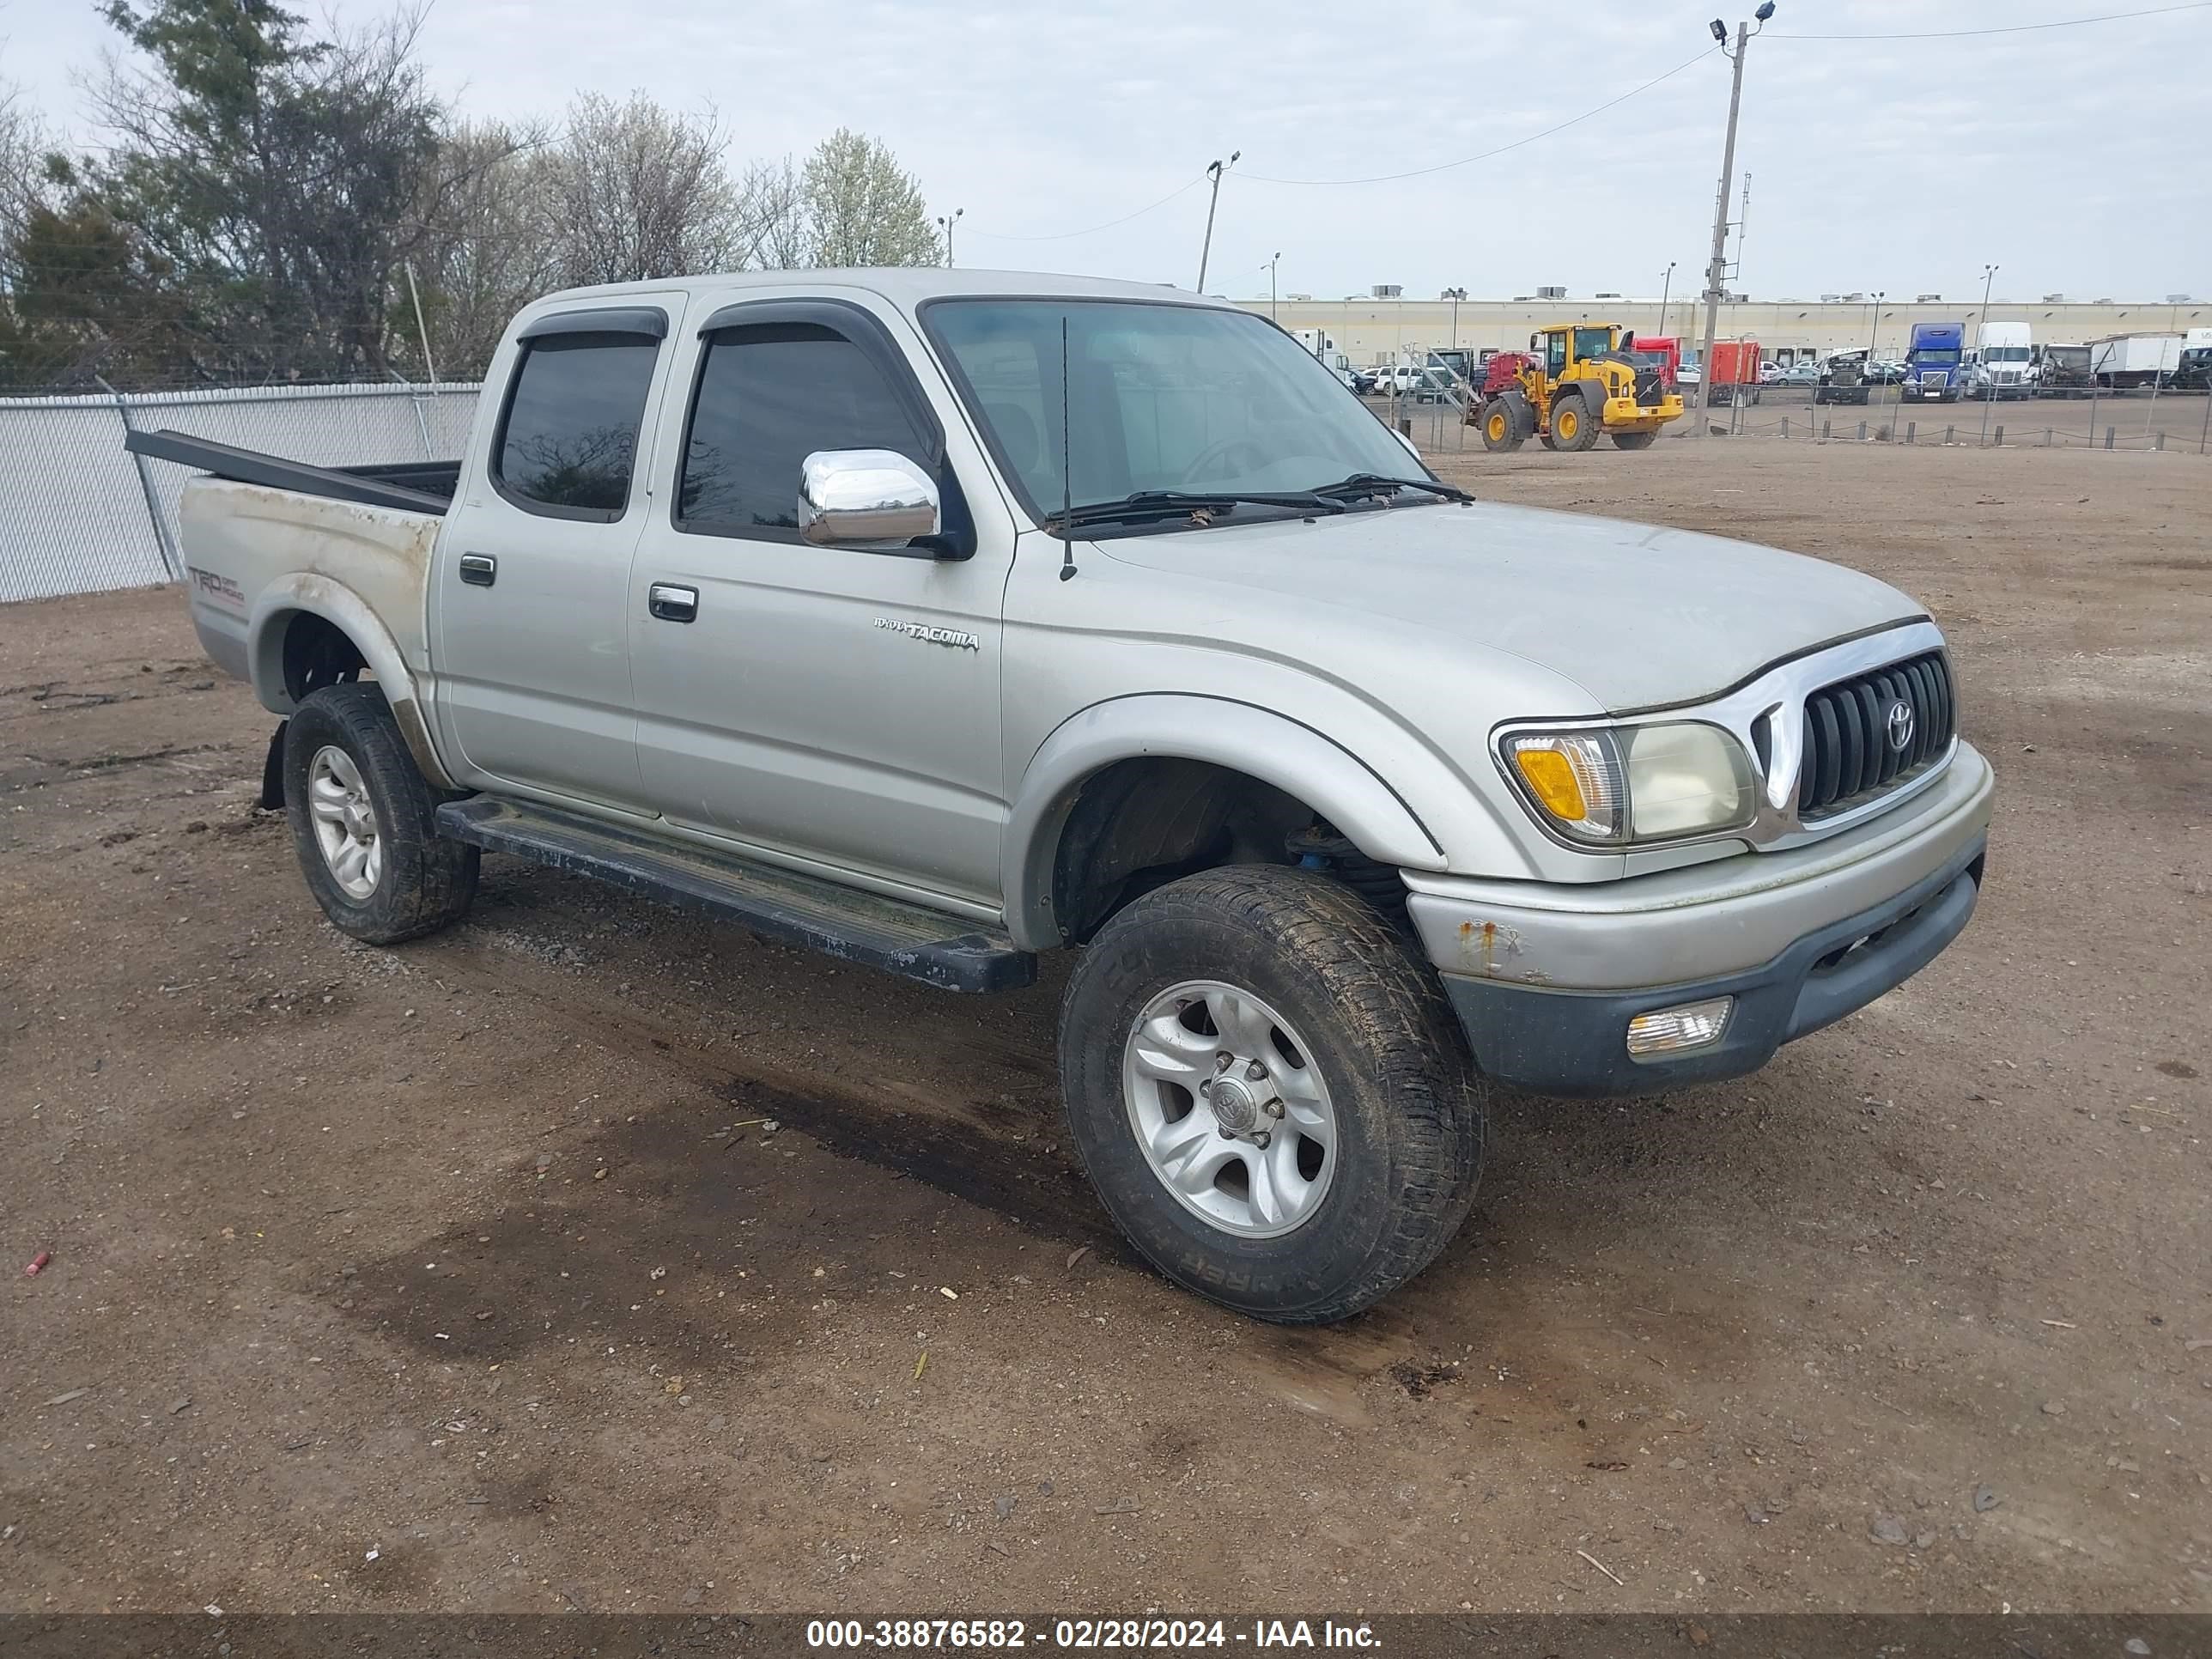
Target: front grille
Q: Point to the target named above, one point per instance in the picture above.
(1848, 759)
(1648, 390)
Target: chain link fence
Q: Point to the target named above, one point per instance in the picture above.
(79, 515)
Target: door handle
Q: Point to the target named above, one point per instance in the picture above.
(672, 604)
(479, 569)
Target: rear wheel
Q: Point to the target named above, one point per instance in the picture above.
(1269, 1092)
(1573, 427)
(1634, 440)
(363, 820)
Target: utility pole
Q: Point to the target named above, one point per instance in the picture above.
(1206, 249)
(945, 223)
(1717, 266)
(1276, 260)
(1989, 375)
(1666, 292)
(1455, 295)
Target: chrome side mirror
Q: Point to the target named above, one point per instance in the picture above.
(854, 498)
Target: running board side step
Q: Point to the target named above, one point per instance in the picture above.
(796, 910)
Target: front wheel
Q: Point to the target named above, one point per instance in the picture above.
(1634, 440)
(1573, 427)
(1269, 1092)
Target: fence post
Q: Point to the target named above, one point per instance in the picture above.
(2109, 432)
(2159, 443)
(1911, 431)
(170, 562)
(1827, 428)
(1999, 442)
(1785, 426)
(1949, 433)
(1862, 431)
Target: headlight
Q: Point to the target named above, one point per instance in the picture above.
(1634, 783)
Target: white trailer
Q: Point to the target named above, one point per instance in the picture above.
(2122, 362)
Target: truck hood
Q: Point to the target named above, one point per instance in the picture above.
(1637, 616)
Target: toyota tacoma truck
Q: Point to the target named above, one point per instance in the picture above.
(940, 619)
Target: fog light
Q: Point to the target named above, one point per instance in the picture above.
(1676, 1030)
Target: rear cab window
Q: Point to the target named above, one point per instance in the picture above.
(568, 436)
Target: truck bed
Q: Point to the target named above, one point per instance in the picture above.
(410, 486)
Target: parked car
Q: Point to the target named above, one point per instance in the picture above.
(794, 603)
(1397, 379)
(1796, 375)
(1884, 371)
(1689, 372)
(1770, 373)
(1363, 381)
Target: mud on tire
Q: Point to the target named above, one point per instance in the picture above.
(423, 881)
(1408, 1107)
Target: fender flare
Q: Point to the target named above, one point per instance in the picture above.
(306, 593)
(1255, 741)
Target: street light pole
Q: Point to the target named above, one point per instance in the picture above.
(1666, 292)
(1455, 295)
(1272, 264)
(945, 223)
(1206, 249)
(1989, 375)
(1717, 265)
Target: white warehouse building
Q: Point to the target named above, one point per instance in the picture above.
(1390, 329)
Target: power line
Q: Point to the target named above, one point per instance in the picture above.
(1465, 160)
(2010, 28)
(1068, 235)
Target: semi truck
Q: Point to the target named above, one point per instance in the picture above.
(1934, 362)
(2005, 362)
(2128, 362)
(2195, 372)
(1734, 372)
(2063, 371)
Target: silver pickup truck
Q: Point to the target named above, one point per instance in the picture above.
(938, 619)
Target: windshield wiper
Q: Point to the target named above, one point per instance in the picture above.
(1362, 484)
(1168, 503)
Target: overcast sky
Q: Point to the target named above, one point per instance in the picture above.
(2072, 157)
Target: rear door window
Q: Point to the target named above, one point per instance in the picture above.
(567, 442)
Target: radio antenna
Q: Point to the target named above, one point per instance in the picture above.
(1066, 467)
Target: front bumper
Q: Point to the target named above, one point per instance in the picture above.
(1575, 1042)
(1546, 977)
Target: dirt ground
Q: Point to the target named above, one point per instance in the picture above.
(469, 1275)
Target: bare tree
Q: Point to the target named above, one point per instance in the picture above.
(863, 209)
(24, 181)
(771, 229)
(490, 246)
(639, 192)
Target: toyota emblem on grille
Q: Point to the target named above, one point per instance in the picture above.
(1900, 725)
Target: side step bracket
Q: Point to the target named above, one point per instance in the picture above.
(864, 927)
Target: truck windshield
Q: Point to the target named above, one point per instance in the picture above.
(1592, 341)
(1936, 354)
(1159, 397)
(2005, 354)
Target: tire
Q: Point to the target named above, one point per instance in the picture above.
(1505, 420)
(1634, 440)
(1307, 961)
(347, 770)
(1574, 428)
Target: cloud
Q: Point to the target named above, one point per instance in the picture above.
(1902, 165)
